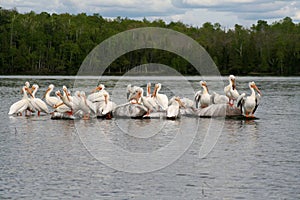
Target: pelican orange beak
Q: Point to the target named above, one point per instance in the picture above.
(180, 102)
(67, 94)
(46, 93)
(98, 88)
(233, 84)
(59, 94)
(148, 88)
(256, 88)
(155, 90)
(29, 92)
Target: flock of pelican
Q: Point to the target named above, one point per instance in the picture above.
(139, 105)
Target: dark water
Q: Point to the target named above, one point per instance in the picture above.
(57, 159)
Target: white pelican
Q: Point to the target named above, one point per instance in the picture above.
(203, 97)
(149, 98)
(230, 90)
(219, 99)
(250, 103)
(108, 107)
(85, 105)
(37, 103)
(173, 110)
(97, 94)
(51, 100)
(67, 93)
(65, 101)
(130, 91)
(21, 105)
(60, 106)
(161, 99)
(146, 101)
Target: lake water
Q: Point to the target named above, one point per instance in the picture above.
(153, 159)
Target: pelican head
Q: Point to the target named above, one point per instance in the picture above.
(82, 93)
(232, 81)
(51, 86)
(27, 84)
(77, 93)
(204, 85)
(65, 89)
(35, 86)
(128, 88)
(253, 85)
(58, 93)
(137, 94)
(158, 87)
(179, 102)
(100, 87)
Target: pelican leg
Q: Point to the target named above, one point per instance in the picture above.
(247, 114)
(70, 113)
(108, 116)
(86, 116)
(230, 102)
(147, 113)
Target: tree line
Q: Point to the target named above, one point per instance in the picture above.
(46, 43)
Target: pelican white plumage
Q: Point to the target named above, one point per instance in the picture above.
(150, 100)
(203, 98)
(146, 101)
(97, 94)
(85, 105)
(21, 105)
(219, 99)
(37, 103)
(250, 103)
(60, 106)
(108, 107)
(173, 110)
(65, 101)
(161, 99)
(231, 91)
(67, 93)
(51, 100)
(130, 92)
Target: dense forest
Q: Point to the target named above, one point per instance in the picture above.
(46, 43)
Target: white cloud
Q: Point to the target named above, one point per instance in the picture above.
(193, 12)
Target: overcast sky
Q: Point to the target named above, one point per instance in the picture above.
(191, 12)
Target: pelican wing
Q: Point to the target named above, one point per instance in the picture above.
(197, 98)
(257, 101)
(19, 106)
(173, 110)
(241, 101)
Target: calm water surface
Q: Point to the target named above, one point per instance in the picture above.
(42, 158)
